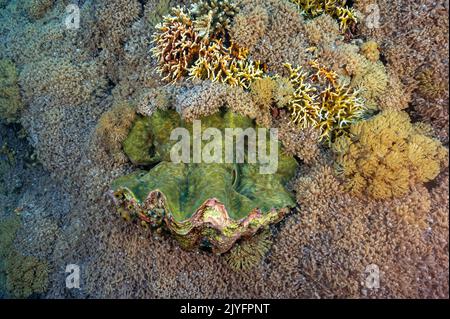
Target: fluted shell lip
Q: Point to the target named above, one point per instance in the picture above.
(210, 223)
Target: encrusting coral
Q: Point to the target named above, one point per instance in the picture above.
(385, 156)
(10, 98)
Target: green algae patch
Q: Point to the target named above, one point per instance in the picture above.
(212, 204)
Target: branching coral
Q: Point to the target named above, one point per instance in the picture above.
(385, 156)
(338, 9)
(176, 45)
(182, 49)
(225, 65)
(319, 100)
(10, 100)
(246, 254)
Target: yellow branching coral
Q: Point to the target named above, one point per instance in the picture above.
(303, 105)
(320, 101)
(176, 45)
(387, 155)
(225, 65)
(184, 46)
(338, 9)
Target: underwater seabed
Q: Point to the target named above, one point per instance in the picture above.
(92, 204)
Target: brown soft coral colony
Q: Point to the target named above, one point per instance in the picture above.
(387, 155)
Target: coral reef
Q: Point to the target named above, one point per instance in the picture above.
(336, 230)
(385, 156)
(62, 81)
(36, 9)
(410, 52)
(279, 39)
(303, 143)
(217, 63)
(10, 99)
(371, 50)
(155, 11)
(75, 81)
(243, 36)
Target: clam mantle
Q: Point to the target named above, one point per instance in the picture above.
(200, 204)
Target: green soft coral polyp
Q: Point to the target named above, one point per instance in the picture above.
(200, 204)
